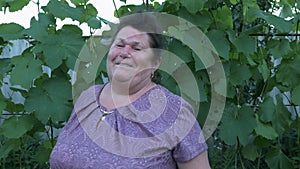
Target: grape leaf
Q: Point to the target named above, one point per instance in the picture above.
(250, 152)
(15, 5)
(5, 66)
(223, 15)
(26, 70)
(56, 92)
(15, 127)
(193, 6)
(281, 117)
(63, 11)
(277, 159)
(90, 11)
(265, 130)
(237, 124)
(239, 73)
(181, 50)
(64, 45)
(79, 2)
(280, 23)
(220, 42)
(8, 146)
(243, 43)
(279, 48)
(288, 73)
(201, 20)
(39, 28)
(11, 31)
(267, 109)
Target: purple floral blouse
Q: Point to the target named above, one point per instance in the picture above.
(155, 131)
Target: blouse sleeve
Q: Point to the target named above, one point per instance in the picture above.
(193, 144)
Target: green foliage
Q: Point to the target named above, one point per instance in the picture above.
(260, 127)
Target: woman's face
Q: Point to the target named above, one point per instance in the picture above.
(130, 58)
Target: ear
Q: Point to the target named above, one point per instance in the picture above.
(156, 62)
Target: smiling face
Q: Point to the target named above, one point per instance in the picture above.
(130, 58)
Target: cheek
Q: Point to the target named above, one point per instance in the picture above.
(112, 54)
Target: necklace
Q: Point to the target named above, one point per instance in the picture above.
(104, 114)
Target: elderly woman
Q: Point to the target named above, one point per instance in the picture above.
(131, 122)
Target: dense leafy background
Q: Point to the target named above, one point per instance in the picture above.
(256, 41)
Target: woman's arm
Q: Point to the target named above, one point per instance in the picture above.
(199, 162)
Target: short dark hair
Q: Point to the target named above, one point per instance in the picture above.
(144, 22)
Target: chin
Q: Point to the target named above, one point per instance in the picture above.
(121, 77)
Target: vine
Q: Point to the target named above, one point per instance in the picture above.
(259, 51)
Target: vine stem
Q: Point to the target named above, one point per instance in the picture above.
(258, 163)
(116, 9)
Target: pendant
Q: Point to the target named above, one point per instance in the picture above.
(102, 118)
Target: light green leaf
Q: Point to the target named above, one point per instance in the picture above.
(26, 70)
(279, 48)
(264, 70)
(281, 117)
(267, 109)
(220, 42)
(11, 31)
(193, 6)
(239, 73)
(277, 159)
(89, 12)
(296, 95)
(223, 15)
(15, 127)
(57, 93)
(248, 7)
(15, 5)
(237, 124)
(234, 2)
(265, 130)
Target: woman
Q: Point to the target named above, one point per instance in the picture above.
(131, 122)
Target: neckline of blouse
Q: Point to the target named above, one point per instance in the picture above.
(104, 109)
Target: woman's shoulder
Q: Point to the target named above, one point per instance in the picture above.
(175, 100)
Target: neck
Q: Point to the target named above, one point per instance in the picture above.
(130, 89)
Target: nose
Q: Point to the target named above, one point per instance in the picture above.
(125, 51)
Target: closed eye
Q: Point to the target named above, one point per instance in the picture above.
(120, 45)
(137, 48)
